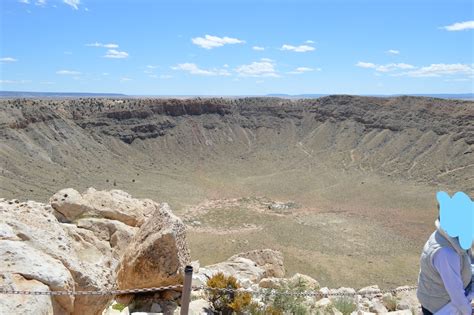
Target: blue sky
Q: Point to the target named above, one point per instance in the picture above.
(231, 47)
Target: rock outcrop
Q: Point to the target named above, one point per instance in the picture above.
(268, 259)
(113, 205)
(76, 244)
(157, 254)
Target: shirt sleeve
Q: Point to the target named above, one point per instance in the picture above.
(448, 263)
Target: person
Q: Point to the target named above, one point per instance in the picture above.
(445, 278)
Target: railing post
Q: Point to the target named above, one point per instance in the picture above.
(186, 294)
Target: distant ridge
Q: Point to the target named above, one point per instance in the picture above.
(26, 94)
(464, 96)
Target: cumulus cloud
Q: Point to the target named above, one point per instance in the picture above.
(384, 68)
(40, 3)
(194, 69)
(441, 69)
(67, 72)
(210, 42)
(433, 70)
(24, 1)
(8, 59)
(461, 26)
(393, 66)
(309, 41)
(73, 3)
(393, 52)
(96, 44)
(263, 68)
(115, 54)
(124, 79)
(363, 64)
(301, 70)
(301, 48)
(258, 48)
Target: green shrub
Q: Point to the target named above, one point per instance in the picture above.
(118, 307)
(345, 305)
(277, 302)
(227, 303)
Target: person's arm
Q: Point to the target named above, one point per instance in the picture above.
(448, 264)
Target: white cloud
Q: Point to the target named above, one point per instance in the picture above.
(24, 1)
(364, 64)
(258, 48)
(151, 67)
(301, 70)
(385, 68)
(263, 68)
(115, 54)
(441, 69)
(209, 41)
(301, 48)
(165, 76)
(461, 26)
(8, 59)
(73, 3)
(393, 52)
(394, 66)
(309, 41)
(124, 79)
(14, 81)
(194, 69)
(40, 3)
(67, 72)
(458, 80)
(96, 44)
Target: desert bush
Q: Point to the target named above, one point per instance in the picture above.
(277, 302)
(345, 305)
(227, 302)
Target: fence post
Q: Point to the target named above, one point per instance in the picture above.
(186, 294)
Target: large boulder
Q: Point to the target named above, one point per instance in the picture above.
(268, 259)
(114, 205)
(407, 299)
(21, 259)
(246, 271)
(25, 304)
(73, 244)
(35, 245)
(157, 254)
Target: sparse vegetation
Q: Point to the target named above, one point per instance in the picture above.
(277, 302)
(118, 306)
(226, 303)
(345, 305)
